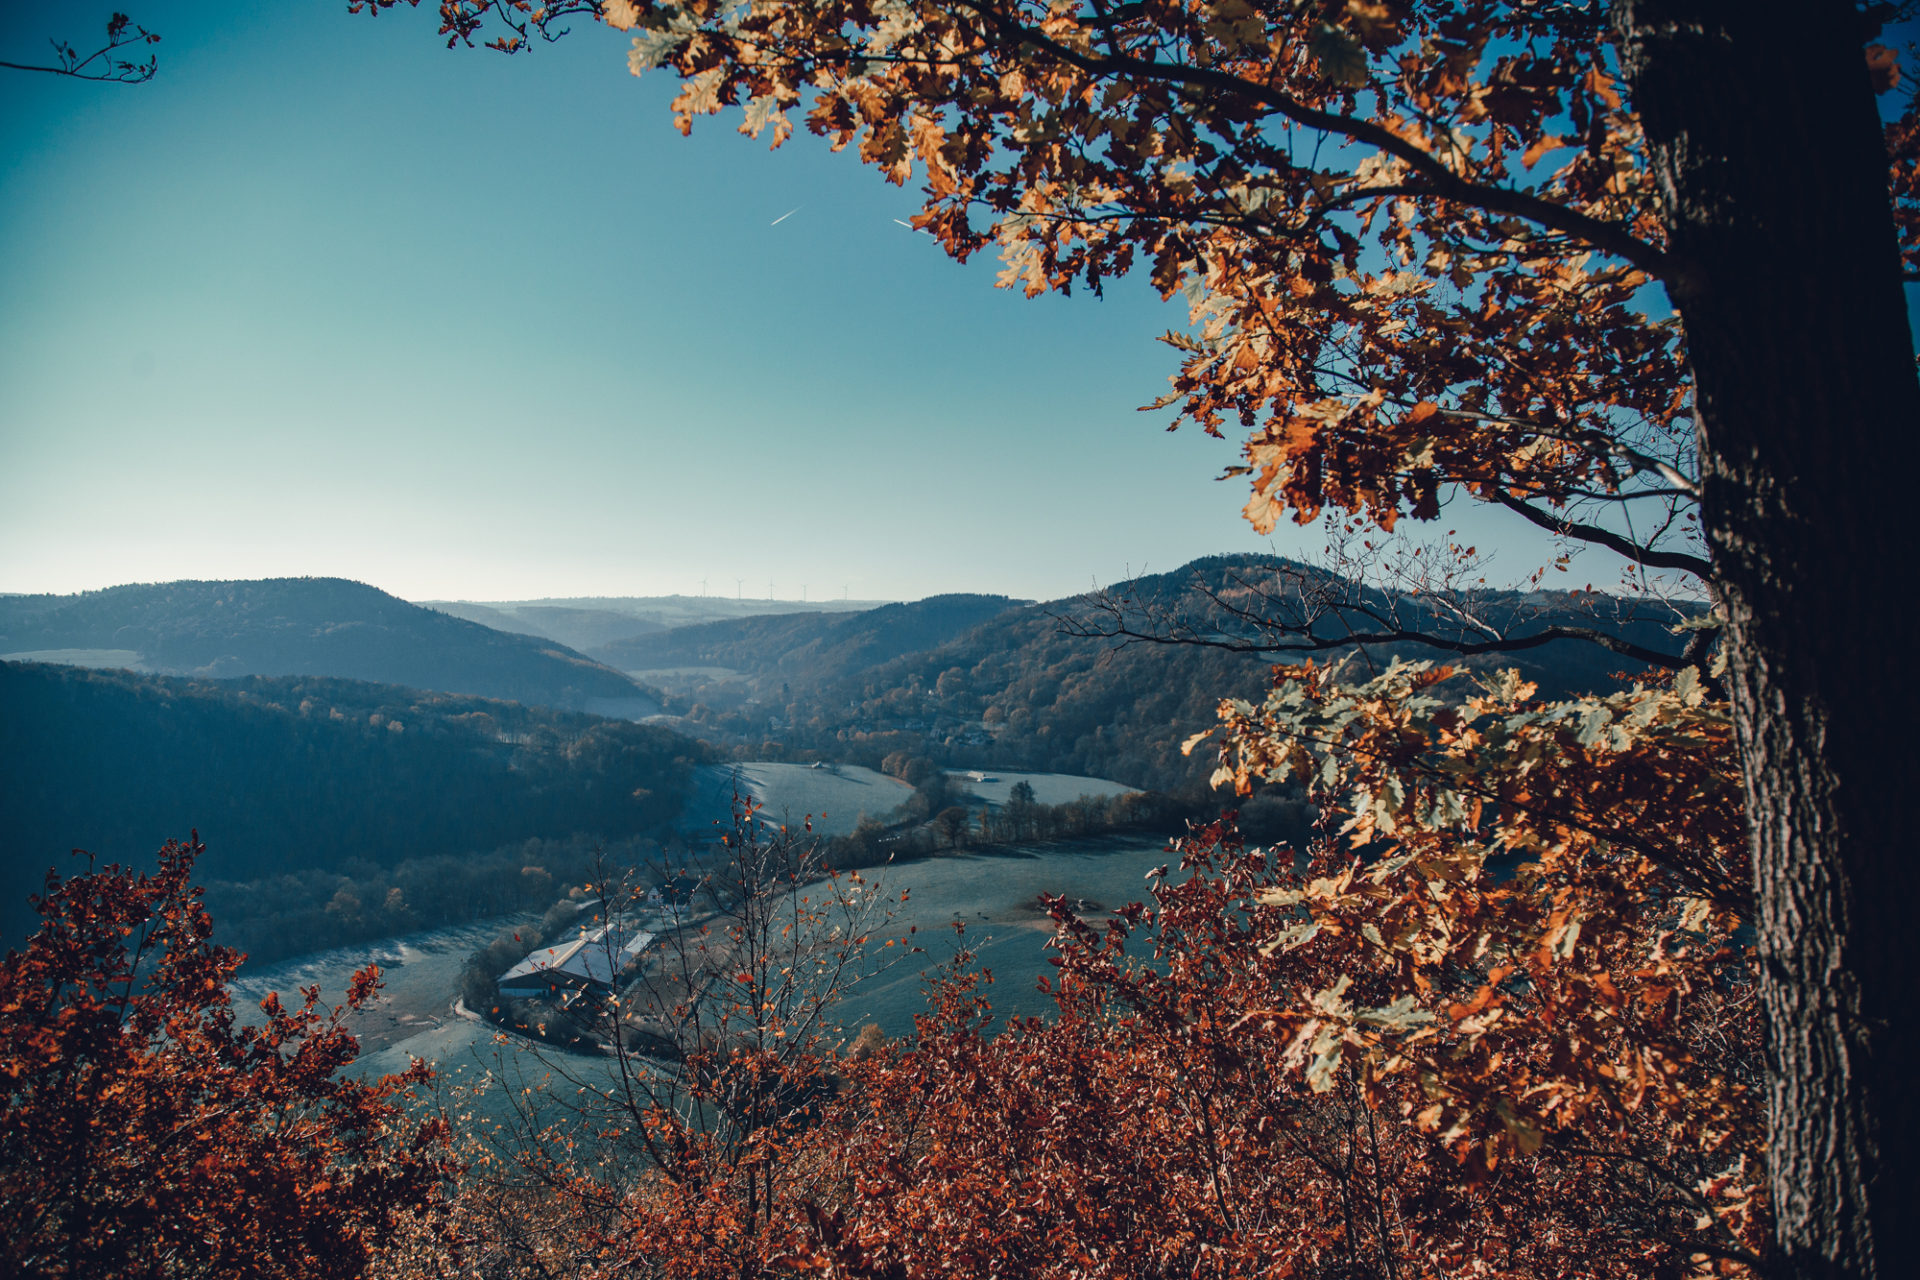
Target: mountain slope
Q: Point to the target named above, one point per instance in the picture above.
(286, 774)
(586, 622)
(317, 627)
(1020, 690)
(810, 648)
(576, 628)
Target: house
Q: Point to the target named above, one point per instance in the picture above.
(592, 962)
(675, 891)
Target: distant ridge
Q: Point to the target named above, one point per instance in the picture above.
(310, 627)
(588, 622)
(814, 647)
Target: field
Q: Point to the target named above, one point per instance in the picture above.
(993, 894)
(1048, 788)
(996, 895)
(420, 971)
(835, 796)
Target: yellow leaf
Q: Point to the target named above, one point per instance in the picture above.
(1550, 142)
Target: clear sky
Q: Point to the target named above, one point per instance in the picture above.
(326, 298)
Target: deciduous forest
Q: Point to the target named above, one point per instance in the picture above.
(1108, 684)
(337, 785)
(1599, 981)
(316, 627)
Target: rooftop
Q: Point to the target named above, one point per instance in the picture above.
(595, 958)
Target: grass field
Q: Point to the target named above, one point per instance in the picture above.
(1048, 788)
(835, 796)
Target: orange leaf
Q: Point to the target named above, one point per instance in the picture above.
(1600, 84)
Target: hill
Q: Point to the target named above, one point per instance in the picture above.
(299, 774)
(1028, 689)
(588, 622)
(313, 627)
(809, 648)
(575, 627)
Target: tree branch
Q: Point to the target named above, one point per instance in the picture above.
(1306, 642)
(121, 32)
(1626, 547)
(1606, 236)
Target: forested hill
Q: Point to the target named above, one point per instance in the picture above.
(587, 622)
(316, 627)
(572, 626)
(811, 648)
(284, 774)
(1020, 691)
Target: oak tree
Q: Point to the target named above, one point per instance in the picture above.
(1631, 271)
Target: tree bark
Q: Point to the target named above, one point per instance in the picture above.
(1763, 135)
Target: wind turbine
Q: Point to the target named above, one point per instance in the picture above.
(703, 588)
(736, 587)
(769, 589)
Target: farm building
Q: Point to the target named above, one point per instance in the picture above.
(593, 961)
(674, 891)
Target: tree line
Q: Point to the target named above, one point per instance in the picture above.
(269, 918)
(300, 776)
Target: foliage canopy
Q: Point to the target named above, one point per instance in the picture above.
(146, 1132)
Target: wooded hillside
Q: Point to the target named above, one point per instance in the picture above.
(283, 775)
(314, 627)
(813, 648)
(1074, 686)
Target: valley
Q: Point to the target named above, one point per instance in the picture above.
(486, 763)
(994, 895)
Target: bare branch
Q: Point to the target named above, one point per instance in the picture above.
(1626, 547)
(100, 65)
(1295, 609)
(1300, 643)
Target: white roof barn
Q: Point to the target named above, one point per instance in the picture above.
(593, 960)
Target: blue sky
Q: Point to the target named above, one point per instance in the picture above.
(326, 298)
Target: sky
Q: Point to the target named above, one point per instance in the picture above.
(327, 298)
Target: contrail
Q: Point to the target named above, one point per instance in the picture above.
(788, 214)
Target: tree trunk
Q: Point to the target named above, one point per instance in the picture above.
(1763, 135)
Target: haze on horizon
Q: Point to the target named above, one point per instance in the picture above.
(327, 299)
